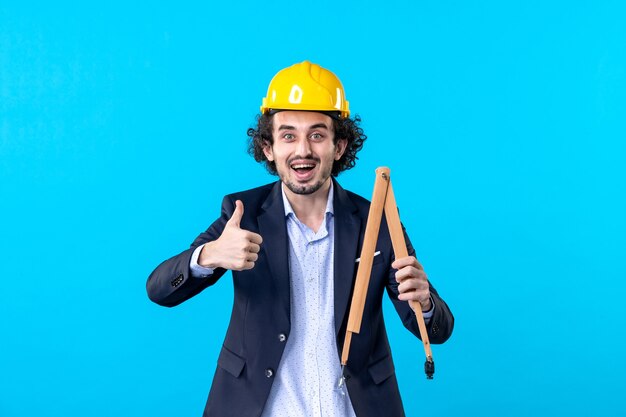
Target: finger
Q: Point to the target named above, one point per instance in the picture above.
(406, 296)
(254, 238)
(421, 296)
(411, 285)
(409, 272)
(235, 219)
(406, 272)
(252, 257)
(406, 261)
(253, 248)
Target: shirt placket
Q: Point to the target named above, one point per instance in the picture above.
(312, 319)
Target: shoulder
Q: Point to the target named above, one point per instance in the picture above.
(350, 200)
(263, 190)
(254, 198)
(358, 200)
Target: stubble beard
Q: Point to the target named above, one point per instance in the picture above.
(306, 189)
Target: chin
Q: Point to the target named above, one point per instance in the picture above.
(304, 189)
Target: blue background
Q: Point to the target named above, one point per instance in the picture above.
(121, 128)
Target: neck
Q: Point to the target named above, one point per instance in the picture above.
(309, 208)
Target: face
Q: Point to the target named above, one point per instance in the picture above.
(304, 149)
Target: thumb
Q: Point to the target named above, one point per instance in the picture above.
(235, 219)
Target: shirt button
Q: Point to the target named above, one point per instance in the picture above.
(282, 337)
(269, 373)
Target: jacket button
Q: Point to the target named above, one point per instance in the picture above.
(269, 373)
(282, 337)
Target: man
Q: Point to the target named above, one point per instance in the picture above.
(292, 248)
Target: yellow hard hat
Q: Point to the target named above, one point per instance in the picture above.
(305, 86)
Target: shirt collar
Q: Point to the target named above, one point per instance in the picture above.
(289, 209)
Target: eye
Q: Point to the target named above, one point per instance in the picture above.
(317, 136)
(289, 136)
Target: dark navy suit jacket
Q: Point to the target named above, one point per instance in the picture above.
(261, 309)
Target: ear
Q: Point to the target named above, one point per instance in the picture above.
(269, 153)
(340, 148)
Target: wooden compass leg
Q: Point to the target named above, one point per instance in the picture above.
(400, 251)
(367, 258)
(346, 348)
(383, 197)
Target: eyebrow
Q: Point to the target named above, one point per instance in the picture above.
(319, 125)
(315, 126)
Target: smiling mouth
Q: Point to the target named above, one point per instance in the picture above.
(302, 168)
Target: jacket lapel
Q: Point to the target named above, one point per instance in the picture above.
(347, 230)
(273, 229)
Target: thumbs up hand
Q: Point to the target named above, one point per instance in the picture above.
(236, 249)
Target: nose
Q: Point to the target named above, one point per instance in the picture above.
(303, 148)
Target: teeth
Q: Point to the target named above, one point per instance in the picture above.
(298, 166)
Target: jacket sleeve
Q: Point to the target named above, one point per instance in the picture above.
(171, 282)
(441, 323)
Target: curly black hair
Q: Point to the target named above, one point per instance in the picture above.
(344, 129)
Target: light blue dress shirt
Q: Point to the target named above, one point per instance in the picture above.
(307, 376)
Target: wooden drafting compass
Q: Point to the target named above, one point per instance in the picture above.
(383, 198)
